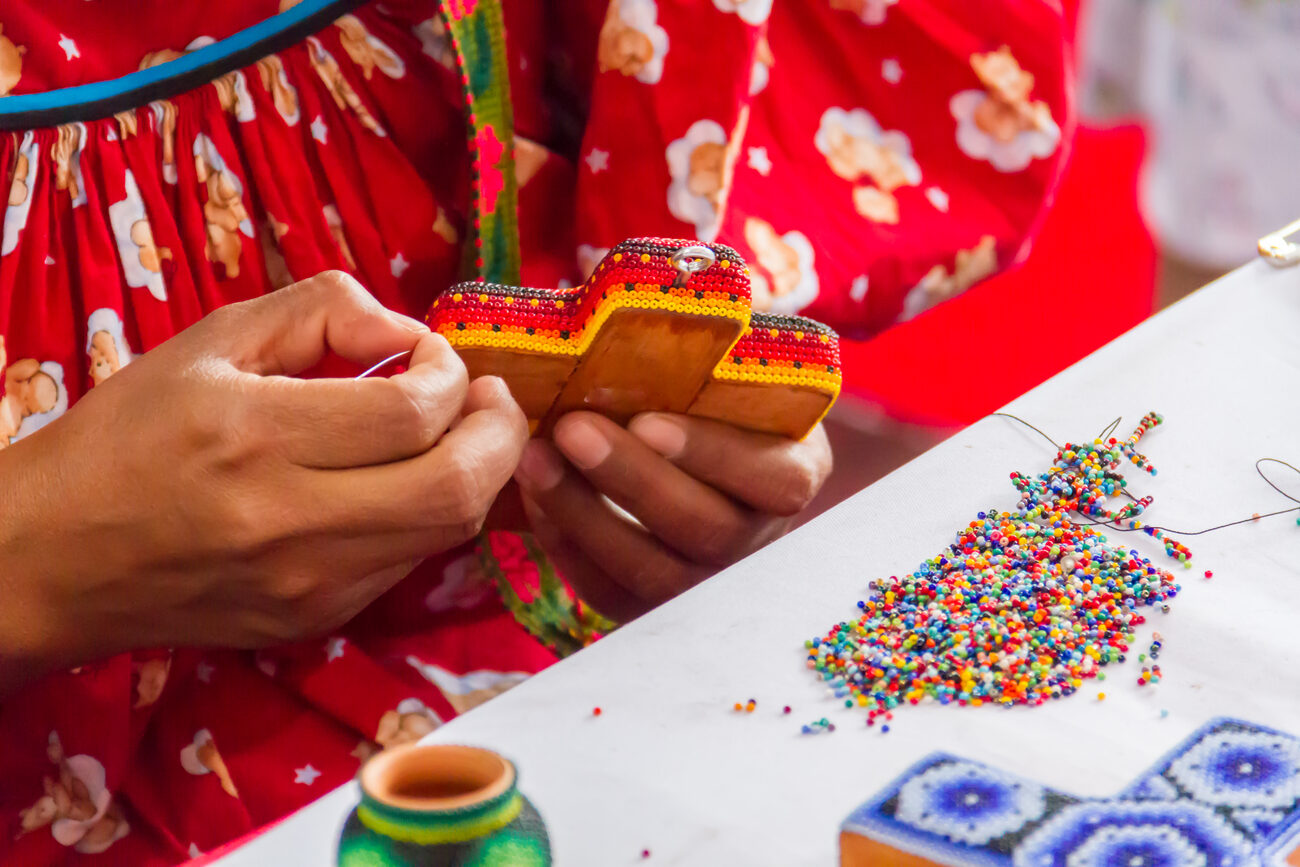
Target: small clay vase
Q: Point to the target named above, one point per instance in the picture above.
(442, 806)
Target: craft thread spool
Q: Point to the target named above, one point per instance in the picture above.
(442, 806)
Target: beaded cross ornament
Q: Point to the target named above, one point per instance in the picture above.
(660, 325)
(1024, 605)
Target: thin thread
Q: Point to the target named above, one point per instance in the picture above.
(1110, 429)
(387, 361)
(1151, 528)
(1031, 427)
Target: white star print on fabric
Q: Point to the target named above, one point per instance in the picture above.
(49, 260)
(858, 289)
(318, 130)
(203, 671)
(891, 70)
(597, 160)
(305, 775)
(334, 649)
(398, 265)
(759, 161)
(195, 851)
(938, 198)
(69, 47)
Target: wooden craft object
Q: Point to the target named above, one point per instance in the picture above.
(1224, 796)
(660, 325)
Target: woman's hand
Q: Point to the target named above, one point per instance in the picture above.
(202, 496)
(705, 493)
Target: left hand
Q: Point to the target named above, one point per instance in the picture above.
(705, 493)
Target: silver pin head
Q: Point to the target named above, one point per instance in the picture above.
(688, 260)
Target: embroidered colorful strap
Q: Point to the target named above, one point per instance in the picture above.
(477, 29)
(541, 603)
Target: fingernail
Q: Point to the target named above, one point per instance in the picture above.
(407, 322)
(539, 469)
(661, 433)
(582, 443)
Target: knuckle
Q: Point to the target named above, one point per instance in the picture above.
(289, 622)
(719, 546)
(464, 496)
(795, 488)
(293, 589)
(246, 527)
(410, 417)
(337, 284)
(448, 378)
(466, 530)
(223, 317)
(658, 579)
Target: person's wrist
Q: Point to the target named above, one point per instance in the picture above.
(39, 631)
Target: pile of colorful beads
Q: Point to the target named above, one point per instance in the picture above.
(1084, 477)
(1023, 607)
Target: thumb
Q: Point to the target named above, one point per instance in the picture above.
(289, 331)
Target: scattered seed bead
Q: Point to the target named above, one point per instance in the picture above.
(595, 711)
(786, 709)
(821, 725)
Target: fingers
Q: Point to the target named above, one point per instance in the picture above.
(449, 488)
(629, 556)
(288, 331)
(769, 473)
(588, 580)
(686, 514)
(338, 423)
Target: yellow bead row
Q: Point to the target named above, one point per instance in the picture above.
(485, 336)
(820, 381)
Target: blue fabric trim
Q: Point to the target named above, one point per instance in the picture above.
(190, 70)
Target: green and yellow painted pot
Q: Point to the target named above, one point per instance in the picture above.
(442, 806)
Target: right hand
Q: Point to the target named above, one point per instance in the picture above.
(203, 496)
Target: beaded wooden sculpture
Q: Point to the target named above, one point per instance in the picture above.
(660, 325)
(1225, 796)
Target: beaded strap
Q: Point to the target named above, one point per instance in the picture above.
(477, 30)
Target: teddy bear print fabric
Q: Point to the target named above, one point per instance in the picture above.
(859, 142)
(118, 232)
(870, 158)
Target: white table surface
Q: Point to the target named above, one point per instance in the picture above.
(670, 767)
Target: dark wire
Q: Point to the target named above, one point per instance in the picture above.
(1031, 427)
(1110, 429)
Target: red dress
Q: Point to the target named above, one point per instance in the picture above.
(871, 158)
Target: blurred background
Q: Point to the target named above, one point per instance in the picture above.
(1184, 156)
